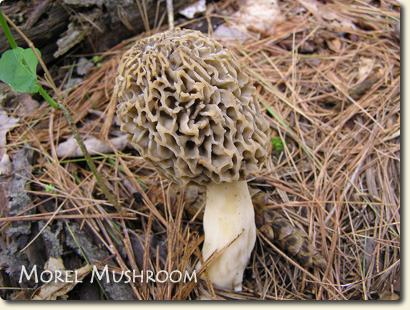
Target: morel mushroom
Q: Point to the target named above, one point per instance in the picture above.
(192, 113)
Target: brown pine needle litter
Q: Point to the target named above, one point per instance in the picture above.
(329, 83)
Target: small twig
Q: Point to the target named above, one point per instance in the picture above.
(129, 216)
(170, 12)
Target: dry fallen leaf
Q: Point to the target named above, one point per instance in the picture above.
(388, 295)
(196, 7)
(256, 15)
(328, 13)
(70, 149)
(260, 14)
(366, 68)
(6, 124)
(335, 45)
(56, 288)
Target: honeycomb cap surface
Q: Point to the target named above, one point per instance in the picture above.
(190, 110)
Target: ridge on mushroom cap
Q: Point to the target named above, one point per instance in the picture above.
(190, 110)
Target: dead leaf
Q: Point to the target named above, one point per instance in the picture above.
(366, 67)
(22, 104)
(70, 149)
(335, 45)
(230, 33)
(27, 105)
(259, 16)
(328, 12)
(196, 7)
(63, 281)
(83, 66)
(389, 295)
(6, 124)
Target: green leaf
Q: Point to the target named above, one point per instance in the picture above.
(277, 144)
(18, 69)
(50, 188)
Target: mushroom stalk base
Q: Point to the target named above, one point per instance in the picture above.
(229, 216)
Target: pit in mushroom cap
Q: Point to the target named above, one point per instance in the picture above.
(190, 110)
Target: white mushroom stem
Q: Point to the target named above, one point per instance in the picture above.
(229, 215)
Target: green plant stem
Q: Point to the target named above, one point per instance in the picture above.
(50, 100)
(89, 160)
(80, 142)
(7, 31)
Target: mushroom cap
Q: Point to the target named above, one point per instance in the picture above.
(190, 110)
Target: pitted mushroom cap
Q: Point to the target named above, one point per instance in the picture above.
(190, 110)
